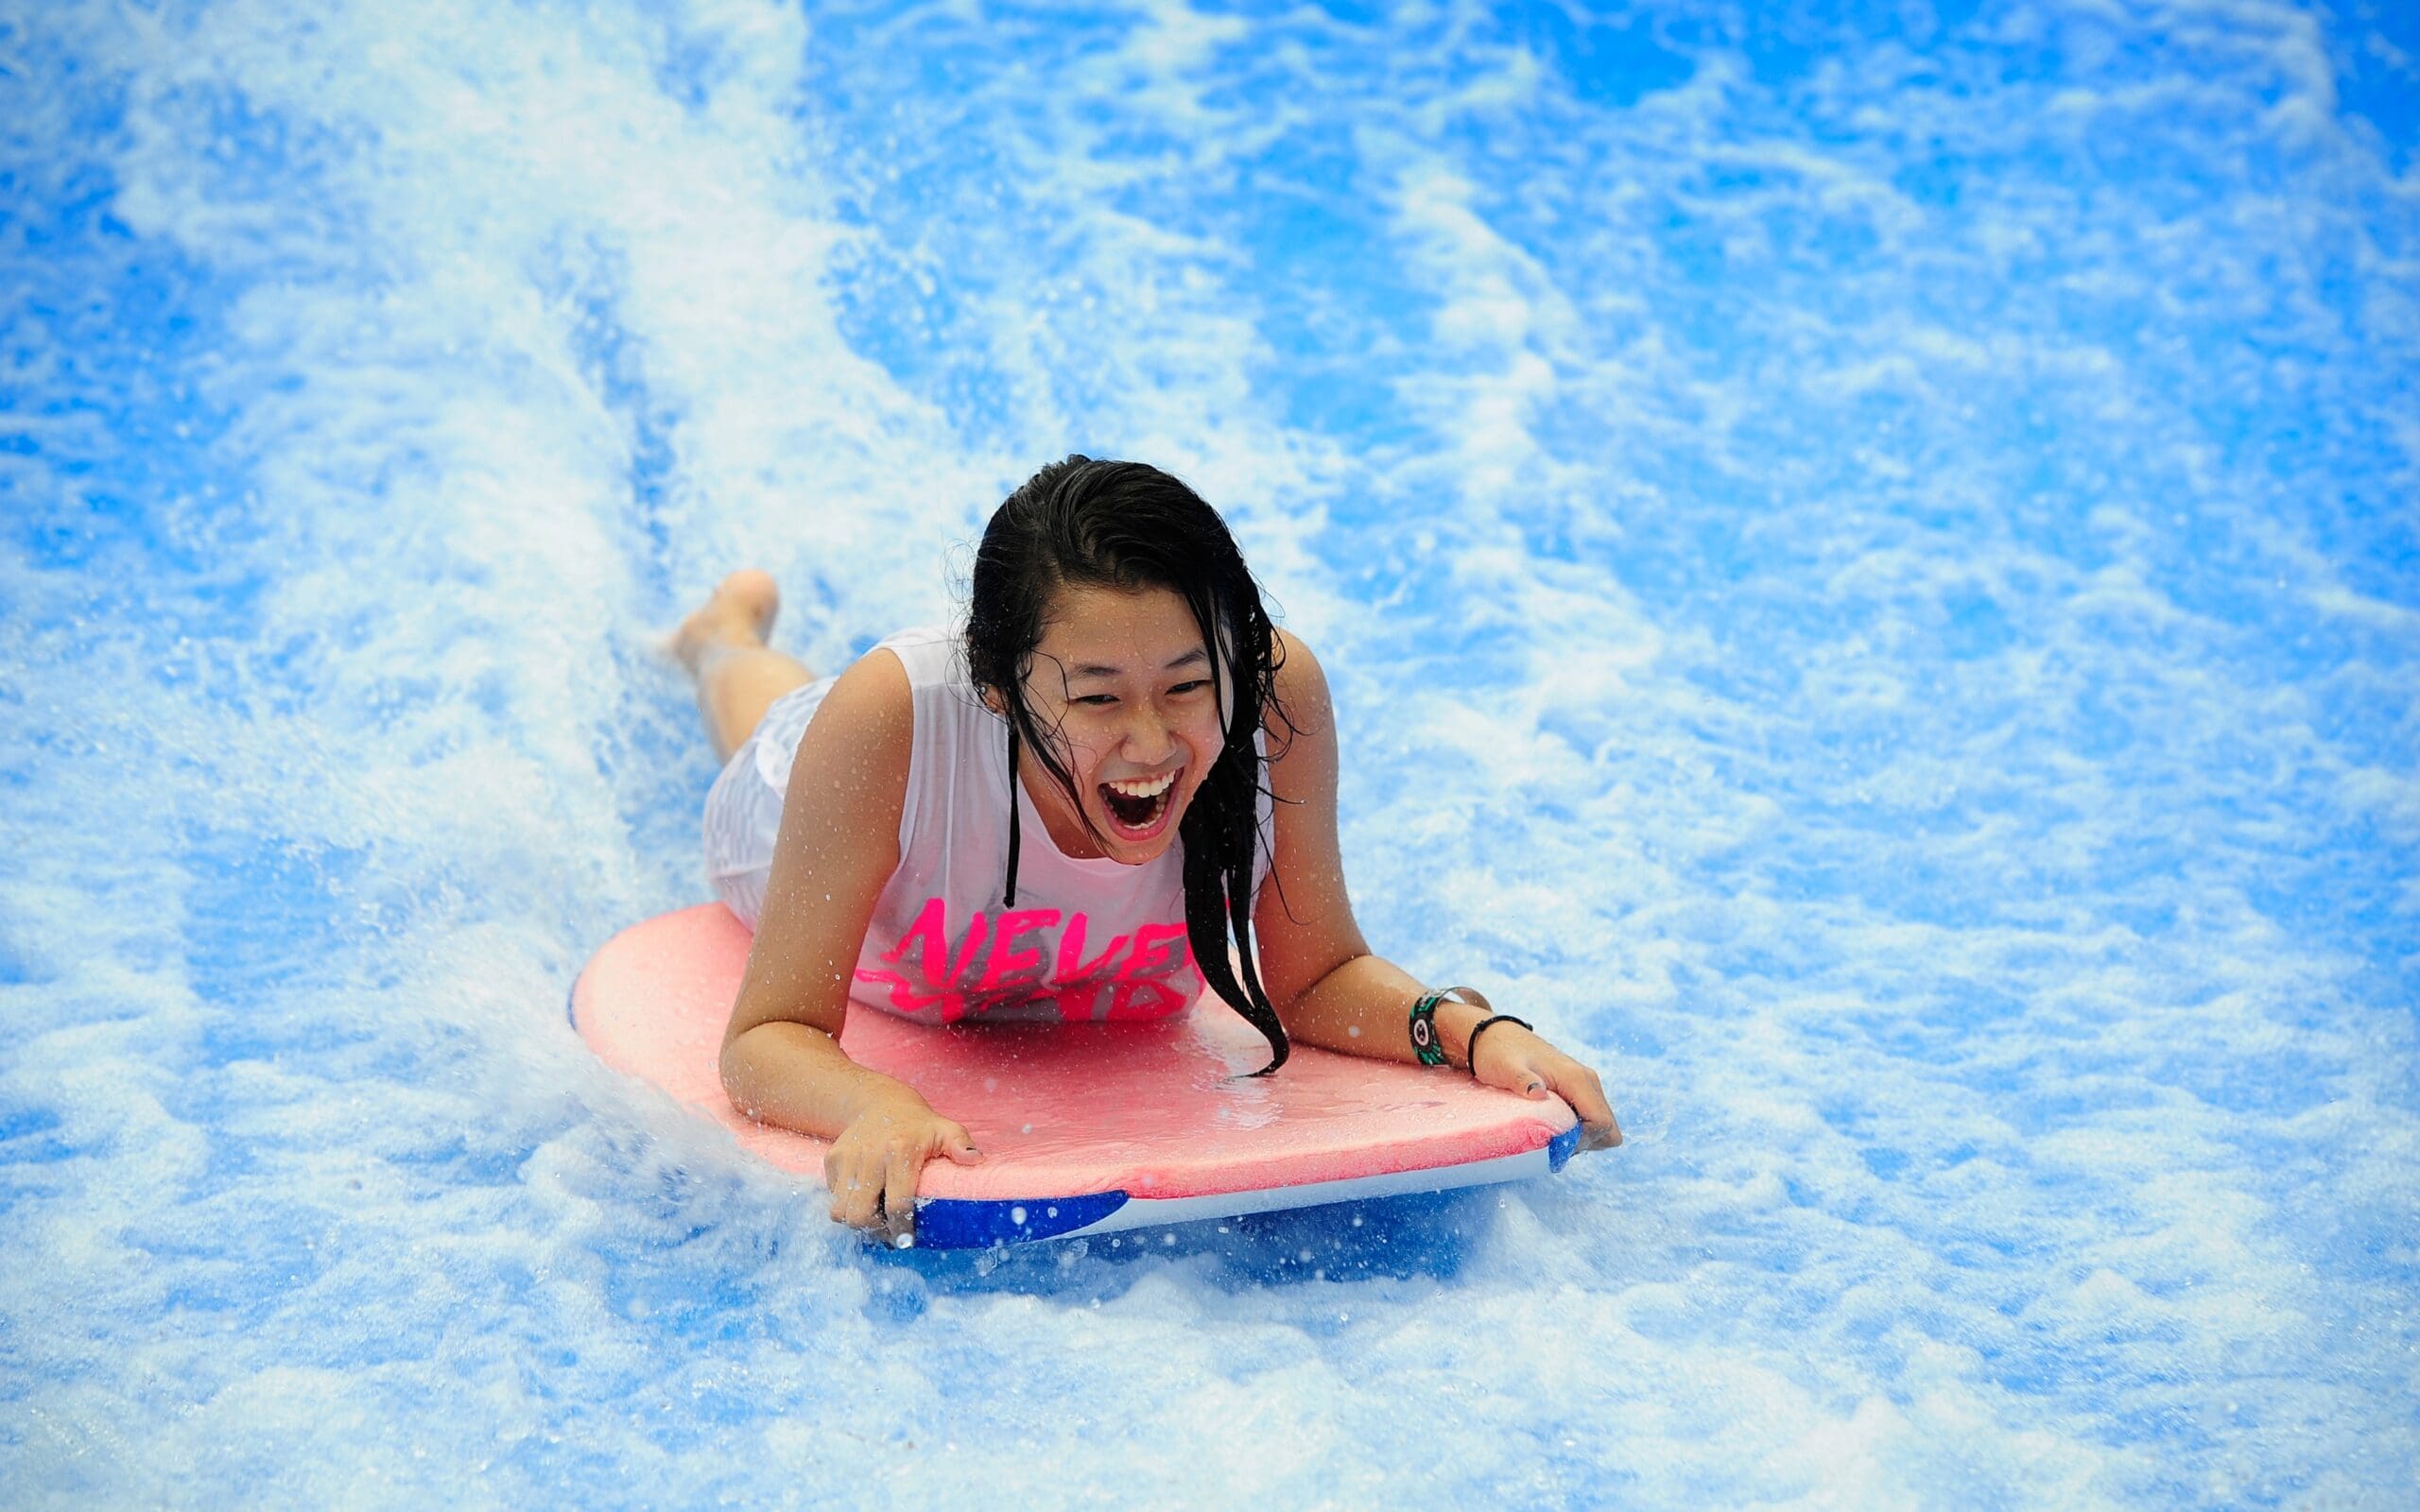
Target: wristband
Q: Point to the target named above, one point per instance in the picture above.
(1425, 1043)
(1480, 1027)
(1423, 1031)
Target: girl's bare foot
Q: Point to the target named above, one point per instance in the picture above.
(739, 613)
(738, 676)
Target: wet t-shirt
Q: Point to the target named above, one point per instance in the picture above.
(1087, 938)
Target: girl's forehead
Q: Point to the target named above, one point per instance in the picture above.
(1111, 629)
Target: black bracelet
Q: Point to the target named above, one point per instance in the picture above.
(1470, 1046)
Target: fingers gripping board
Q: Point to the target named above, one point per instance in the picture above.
(1085, 1128)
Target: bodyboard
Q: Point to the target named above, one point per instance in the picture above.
(1086, 1127)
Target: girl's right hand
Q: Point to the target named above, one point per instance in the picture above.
(873, 1167)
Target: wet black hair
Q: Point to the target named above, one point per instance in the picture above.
(1129, 526)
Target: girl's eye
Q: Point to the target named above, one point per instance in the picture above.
(1195, 686)
(1097, 700)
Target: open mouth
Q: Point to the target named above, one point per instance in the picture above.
(1138, 809)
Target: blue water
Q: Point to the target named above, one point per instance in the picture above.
(1870, 557)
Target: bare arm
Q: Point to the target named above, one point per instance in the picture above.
(782, 1061)
(1329, 991)
(1321, 976)
(836, 854)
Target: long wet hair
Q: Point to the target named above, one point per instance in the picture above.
(1130, 526)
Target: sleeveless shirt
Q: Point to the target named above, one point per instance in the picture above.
(1088, 939)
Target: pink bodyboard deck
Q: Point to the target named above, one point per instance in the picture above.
(1086, 1127)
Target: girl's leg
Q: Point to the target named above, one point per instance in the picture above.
(723, 647)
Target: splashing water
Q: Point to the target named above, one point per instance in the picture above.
(1869, 569)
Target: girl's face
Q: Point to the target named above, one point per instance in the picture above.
(1125, 681)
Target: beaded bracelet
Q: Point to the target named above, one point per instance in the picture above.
(1423, 1027)
(1425, 1046)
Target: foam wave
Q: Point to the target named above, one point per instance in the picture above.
(1866, 565)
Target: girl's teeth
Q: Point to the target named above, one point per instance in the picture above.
(1151, 796)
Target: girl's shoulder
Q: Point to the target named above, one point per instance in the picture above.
(913, 683)
(1302, 688)
(932, 656)
(870, 704)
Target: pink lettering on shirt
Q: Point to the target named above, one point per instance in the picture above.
(1079, 981)
(1143, 992)
(940, 979)
(1010, 962)
(932, 930)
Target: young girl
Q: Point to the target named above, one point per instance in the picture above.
(1067, 812)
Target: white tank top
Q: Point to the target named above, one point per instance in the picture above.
(1087, 938)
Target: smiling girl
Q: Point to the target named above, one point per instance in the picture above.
(1066, 811)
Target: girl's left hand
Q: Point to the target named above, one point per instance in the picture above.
(1518, 1061)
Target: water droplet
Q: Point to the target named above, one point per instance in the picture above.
(1016, 1215)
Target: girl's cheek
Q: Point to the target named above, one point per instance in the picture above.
(1082, 752)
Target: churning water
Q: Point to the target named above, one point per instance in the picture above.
(1871, 565)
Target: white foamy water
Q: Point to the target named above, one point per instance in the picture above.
(1871, 573)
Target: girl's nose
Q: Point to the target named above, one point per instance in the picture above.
(1150, 739)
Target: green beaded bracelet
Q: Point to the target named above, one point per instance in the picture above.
(1423, 1031)
(1425, 1043)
